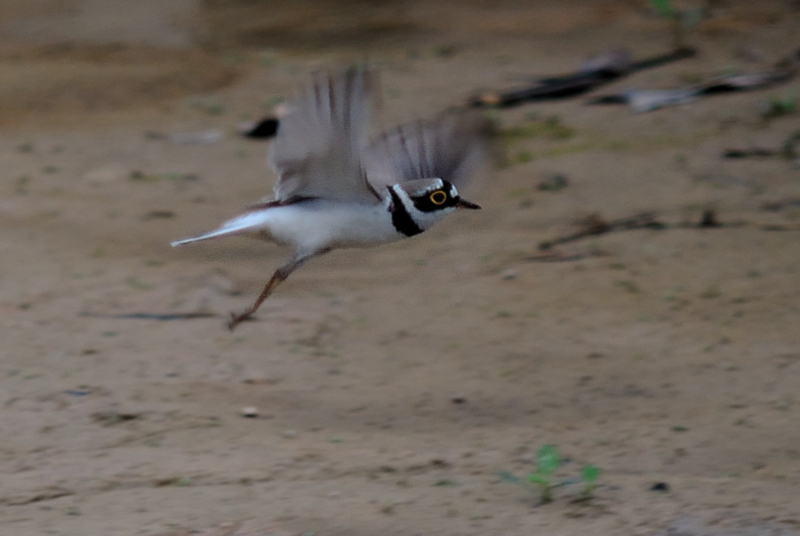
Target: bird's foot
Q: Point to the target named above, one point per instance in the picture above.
(236, 318)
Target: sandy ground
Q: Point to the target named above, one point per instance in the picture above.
(393, 385)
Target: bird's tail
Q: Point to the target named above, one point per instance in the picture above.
(244, 224)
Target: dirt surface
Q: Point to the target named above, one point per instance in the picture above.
(392, 385)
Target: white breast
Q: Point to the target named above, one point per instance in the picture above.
(318, 224)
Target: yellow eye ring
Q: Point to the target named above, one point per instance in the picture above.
(438, 197)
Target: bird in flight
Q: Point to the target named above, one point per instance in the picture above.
(336, 188)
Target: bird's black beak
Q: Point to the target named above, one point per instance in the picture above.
(463, 203)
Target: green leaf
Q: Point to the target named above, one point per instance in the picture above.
(663, 8)
(537, 478)
(590, 473)
(547, 459)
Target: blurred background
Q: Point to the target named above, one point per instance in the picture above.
(87, 56)
(628, 296)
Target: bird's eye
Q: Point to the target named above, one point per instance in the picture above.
(438, 197)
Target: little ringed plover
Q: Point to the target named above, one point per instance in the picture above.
(336, 189)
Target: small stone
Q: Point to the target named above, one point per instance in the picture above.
(250, 412)
(508, 275)
(660, 486)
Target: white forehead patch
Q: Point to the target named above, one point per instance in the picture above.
(429, 185)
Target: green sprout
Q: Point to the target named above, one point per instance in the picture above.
(682, 20)
(778, 106)
(590, 473)
(547, 461)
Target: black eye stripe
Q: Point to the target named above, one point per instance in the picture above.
(425, 202)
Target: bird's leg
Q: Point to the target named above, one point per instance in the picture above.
(277, 278)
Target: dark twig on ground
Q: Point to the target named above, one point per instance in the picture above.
(787, 150)
(754, 152)
(595, 225)
(649, 99)
(595, 73)
(152, 316)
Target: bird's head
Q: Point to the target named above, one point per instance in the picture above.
(424, 202)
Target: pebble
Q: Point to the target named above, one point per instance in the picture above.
(659, 486)
(250, 412)
(508, 275)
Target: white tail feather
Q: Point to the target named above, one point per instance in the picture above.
(239, 225)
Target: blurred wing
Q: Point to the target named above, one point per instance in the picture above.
(316, 152)
(450, 148)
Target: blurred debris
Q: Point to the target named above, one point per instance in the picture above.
(777, 206)
(262, 129)
(750, 53)
(647, 100)
(787, 150)
(554, 183)
(509, 275)
(724, 180)
(594, 225)
(78, 392)
(777, 107)
(553, 255)
(152, 316)
(755, 152)
(594, 72)
(260, 378)
(158, 215)
(140, 176)
(110, 418)
(708, 219)
(740, 82)
(266, 127)
(681, 20)
(204, 137)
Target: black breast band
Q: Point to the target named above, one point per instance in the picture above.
(401, 219)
